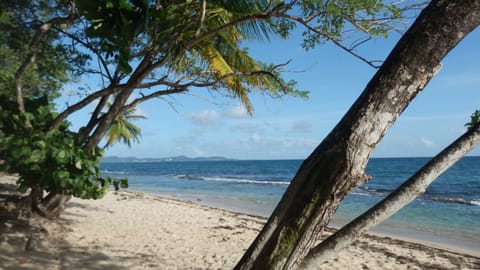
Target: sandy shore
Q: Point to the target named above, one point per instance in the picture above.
(128, 230)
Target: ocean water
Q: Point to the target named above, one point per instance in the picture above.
(447, 213)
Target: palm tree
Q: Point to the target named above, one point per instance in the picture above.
(123, 130)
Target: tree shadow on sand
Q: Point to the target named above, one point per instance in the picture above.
(31, 242)
(25, 243)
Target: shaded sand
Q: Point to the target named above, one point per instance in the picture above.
(127, 230)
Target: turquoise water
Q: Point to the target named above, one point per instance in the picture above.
(448, 212)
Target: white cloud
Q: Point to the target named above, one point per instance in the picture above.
(237, 112)
(428, 143)
(205, 118)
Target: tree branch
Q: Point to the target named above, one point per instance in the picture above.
(304, 22)
(92, 49)
(202, 17)
(403, 195)
(81, 104)
(33, 51)
(94, 119)
(137, 101)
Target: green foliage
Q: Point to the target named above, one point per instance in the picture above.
(123, 130)
(116, 23)
(334, 18)
(154, 46)
(474, 120)
(54, 161)
(55, 61)
(189, 41)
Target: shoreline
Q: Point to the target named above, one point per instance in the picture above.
(138, 230)
(390, 229)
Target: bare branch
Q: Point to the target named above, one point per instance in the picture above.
(137, 101)
(92, 49)
(81, 104)
(328, 37)
(359, 42)
(158, 82)
(202, 17)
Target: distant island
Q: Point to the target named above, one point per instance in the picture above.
(115, 159)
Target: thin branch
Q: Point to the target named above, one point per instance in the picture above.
(92, 49)
(177, 87)
(328, 37)
(359, 42)
(137, 101)
(81, 104)
(202, 17)
(160, 81)
(223, 77)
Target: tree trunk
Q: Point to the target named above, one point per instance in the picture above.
(28, 203)
(407, 192)
(337, 166)
(108, 118)
(52, 205)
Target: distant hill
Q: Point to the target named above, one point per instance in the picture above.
(114, 159)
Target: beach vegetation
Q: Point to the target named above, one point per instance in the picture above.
(142, 50)
(474, 120)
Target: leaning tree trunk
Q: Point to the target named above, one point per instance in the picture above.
(403, 195)
(337, 166)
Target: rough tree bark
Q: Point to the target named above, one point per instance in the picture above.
(337, 166)
(403, 195)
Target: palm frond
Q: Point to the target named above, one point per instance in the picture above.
(123, 130)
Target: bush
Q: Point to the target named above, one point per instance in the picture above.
(54, 161)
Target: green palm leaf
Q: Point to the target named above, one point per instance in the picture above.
(123, 130)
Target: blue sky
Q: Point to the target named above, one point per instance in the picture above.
(204, 123)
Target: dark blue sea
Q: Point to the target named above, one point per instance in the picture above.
(448, 212)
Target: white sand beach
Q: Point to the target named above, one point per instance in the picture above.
(130, 230)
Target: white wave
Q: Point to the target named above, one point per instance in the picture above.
(245, 181)
(358, 192)
(475, 202)
(113, 172)
(185, 176)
